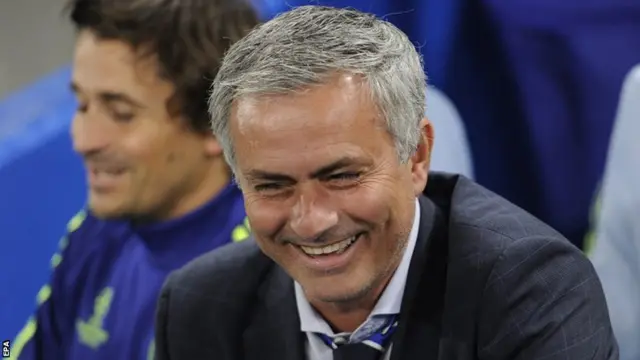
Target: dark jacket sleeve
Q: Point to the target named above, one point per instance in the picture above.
(543, 300)
(162, 315)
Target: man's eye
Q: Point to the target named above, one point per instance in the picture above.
(124, 117)
(267, 187)
(345, 176)
(82, 108)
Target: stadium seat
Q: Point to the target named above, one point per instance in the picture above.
(41, 188)
(615, 246)
(451, 151)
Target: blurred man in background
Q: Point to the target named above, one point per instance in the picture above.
(159, 189)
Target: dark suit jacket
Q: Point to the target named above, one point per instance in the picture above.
(486, 281)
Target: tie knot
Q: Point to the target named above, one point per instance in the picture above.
(375, 332)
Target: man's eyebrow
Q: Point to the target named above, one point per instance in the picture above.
(257, 174)
(341, 163)
(326, 170)
(109, 96)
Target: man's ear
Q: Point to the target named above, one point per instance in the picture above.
(421, 159)
(212, 147)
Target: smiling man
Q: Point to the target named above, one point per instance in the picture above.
(320, 112)
(159, 189)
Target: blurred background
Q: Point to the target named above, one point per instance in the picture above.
(536, 83)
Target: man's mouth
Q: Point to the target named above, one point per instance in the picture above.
(102, 178)
(332, 249)
(107, 172)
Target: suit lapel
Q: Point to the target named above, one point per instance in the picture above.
(419, 330)
(274, 329)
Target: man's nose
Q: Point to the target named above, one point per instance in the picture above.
(88, 135)
(312, 215)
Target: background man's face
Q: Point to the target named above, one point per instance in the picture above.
(140, 161)
(326, 196)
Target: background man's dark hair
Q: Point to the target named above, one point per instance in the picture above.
(188, 38)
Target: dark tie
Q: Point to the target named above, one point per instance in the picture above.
(371, 348)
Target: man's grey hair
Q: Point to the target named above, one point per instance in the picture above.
(304, 47)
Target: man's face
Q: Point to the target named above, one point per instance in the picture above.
(140, 160)
(326, 196)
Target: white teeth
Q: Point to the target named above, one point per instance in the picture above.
(336, 248)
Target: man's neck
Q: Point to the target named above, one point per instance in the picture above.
(217, 176)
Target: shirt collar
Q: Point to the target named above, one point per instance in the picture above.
(390, 301)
